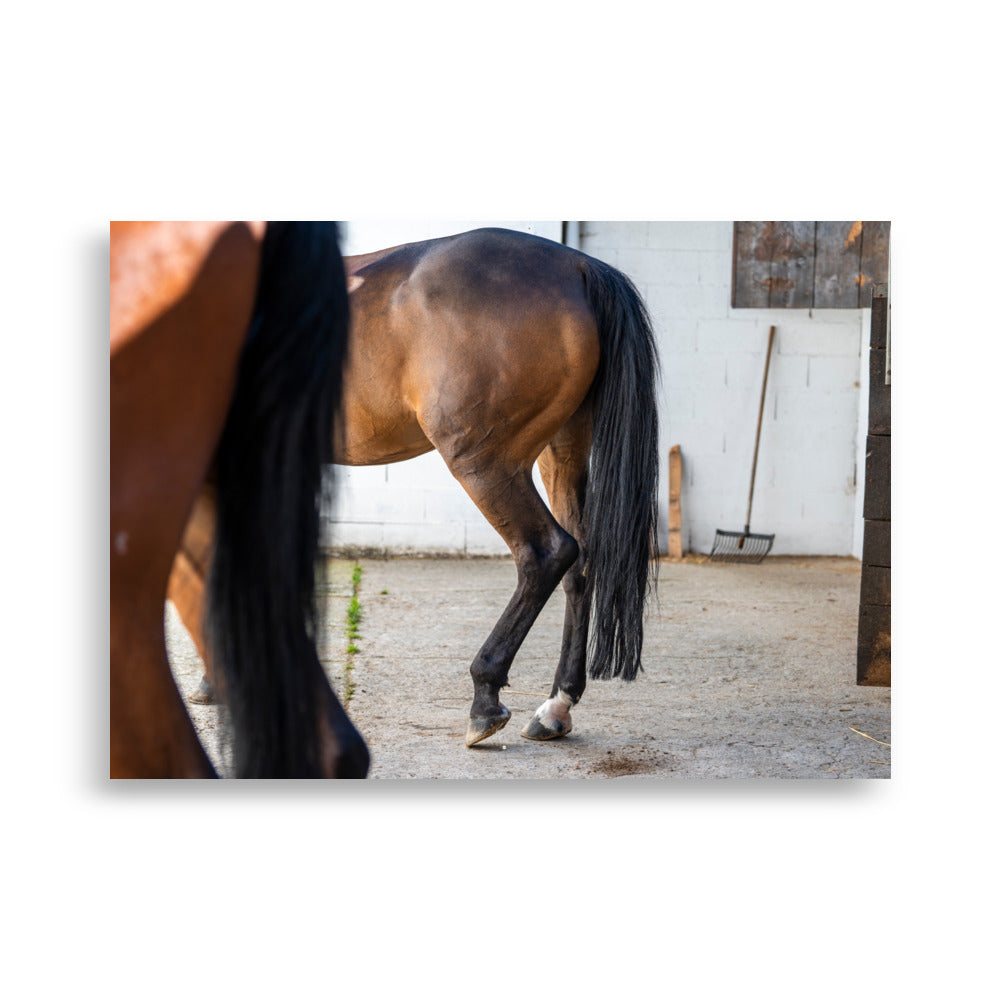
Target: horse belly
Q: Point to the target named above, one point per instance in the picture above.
(376, 431)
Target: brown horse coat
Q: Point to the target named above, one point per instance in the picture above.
(223, 334)
(500, 349)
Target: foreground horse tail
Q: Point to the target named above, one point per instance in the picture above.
(261, 590)
(620, 511)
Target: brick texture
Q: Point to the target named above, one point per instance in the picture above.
(807, 475)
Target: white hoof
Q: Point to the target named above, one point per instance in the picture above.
(551, 720)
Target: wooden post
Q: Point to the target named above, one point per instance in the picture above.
(875, 610)
(675, 547)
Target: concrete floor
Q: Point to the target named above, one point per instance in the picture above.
(749, 673)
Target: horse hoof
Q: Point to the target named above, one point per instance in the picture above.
(482, 727)
(537, 730)
(205, 695)
(551, 720)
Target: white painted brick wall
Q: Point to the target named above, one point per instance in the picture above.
(712, 358)
(808, 478)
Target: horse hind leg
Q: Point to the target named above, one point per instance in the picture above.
(563, 465)
(542, 552)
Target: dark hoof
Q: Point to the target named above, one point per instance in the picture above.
(536, 730)
(481, 728)
(205, 695)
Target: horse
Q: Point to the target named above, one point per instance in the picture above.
(500, 349)
(227, 347)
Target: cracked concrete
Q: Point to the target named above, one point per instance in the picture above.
(749, 673)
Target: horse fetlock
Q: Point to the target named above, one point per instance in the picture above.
(486, 700)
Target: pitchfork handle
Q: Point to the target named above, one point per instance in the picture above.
(760, 420)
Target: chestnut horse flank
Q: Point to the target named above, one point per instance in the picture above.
(498, 349)
(227, 344)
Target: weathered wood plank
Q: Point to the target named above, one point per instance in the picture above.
(877, 549)
(879, 321)
(874, 665)
(838, 263)
(797, 265)
(879, 394)
(791, 248)
(675, 548)
(874, 259)
(876, 585)
(875, 646)
(878, 485)
(751, 272)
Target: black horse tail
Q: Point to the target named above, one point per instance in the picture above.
(620, 510)
(261, 619)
